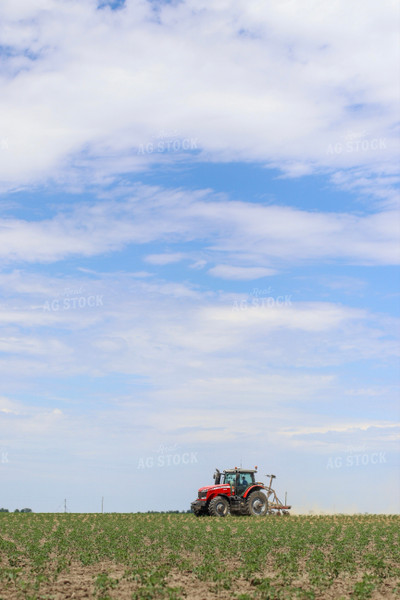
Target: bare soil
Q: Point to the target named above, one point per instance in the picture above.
(78, 582)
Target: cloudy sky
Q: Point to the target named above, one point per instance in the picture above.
(199, 244)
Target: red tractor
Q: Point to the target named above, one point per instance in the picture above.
(237, 492)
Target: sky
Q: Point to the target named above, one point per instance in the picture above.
(199, 249)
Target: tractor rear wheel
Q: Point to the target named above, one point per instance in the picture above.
(257, 504)
(218, 507)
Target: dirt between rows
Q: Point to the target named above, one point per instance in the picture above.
(78, 583)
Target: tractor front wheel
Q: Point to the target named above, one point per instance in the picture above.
(218, 507)
(257, 504)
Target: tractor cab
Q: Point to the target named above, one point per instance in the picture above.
(238, 479)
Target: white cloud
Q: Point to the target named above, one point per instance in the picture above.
(164, 259)
(178, 332)
(342, 427)
(249, 234)
(372, 392)
(7, 406)
(307, 316)
(244, 273)
(350, 285)
(29, 345)
(291, 81)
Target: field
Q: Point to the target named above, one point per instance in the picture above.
(139, 556)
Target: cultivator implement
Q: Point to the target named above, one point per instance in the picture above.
(275, 506)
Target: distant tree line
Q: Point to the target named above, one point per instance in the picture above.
(166, 512)
(23, 510)
(158, 512)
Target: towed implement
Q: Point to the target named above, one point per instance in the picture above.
(237, 492)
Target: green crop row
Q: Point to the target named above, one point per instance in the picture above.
(162, 556)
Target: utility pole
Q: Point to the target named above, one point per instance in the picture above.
(102, 504)
(65, 505)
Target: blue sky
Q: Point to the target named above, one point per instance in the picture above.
(199, 246)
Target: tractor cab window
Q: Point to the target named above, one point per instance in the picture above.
(243, 481)
(230, 478)
(246, 479)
